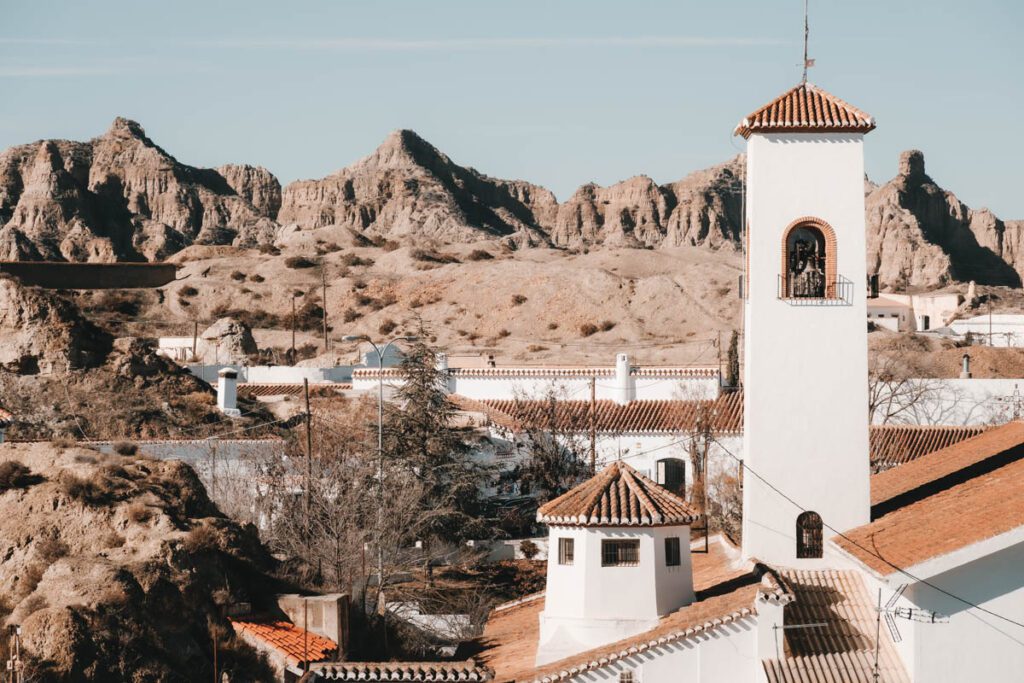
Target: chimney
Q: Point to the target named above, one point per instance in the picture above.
(625, 389)
(227, 392)
(873, 286)
(965, 369)
(441, 362)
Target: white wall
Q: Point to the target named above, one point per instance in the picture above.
(588, 605)
(805, 365)
(953, 402)
(1006, 329)
(275, 374)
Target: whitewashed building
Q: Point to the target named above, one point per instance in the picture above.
(997, 329)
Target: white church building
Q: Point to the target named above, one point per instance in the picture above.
(912, 574)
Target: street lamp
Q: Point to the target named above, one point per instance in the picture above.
(380, 443)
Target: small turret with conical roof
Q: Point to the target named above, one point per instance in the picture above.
(618, 560)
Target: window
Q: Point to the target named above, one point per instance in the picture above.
(808, 535)
(672, 474)
(808, 261)
(565, 550)
(672, 557)
(627, 676)
(620, 553)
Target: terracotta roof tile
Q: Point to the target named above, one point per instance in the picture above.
(290, 389)
(294, 643)
(893, 445)
(726, 591)
(671, 416)
(842, 649)
(996, 445)
(413, 672)
(617, 496)
(806, 108)
(542, 371)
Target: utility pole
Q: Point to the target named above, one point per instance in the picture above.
(15, 665)
(593, 425)
(293, 329)
(309, 453)
(323, 282)
(195, 337)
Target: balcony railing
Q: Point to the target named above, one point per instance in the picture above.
(830, 292)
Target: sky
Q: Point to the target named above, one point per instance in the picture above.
(557, 92)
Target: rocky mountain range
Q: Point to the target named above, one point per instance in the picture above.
(122, 197)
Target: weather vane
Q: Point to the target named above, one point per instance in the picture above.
(807, 62)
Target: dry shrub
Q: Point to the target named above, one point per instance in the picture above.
(51, 549)
(99, 489)
(269, 249)
(188, 291)
(62, 442)
(30, 579)
(139, 512)
(125, 448)
(352, 260)
(518, 299)
(33, 604)
(534, 348)
(237, 275)
(552, 326)
(504, 333)
(111, 540)
(587, 329)
(300, 262)
(389, 245)
(606, 325)
(257, 278)
(432, 256)
(14, 475)
(480, 255)
(201, 539)
(387, 326)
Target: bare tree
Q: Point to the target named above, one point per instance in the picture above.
(553, 439)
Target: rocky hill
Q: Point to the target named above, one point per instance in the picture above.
(118, 568)
(121, 197)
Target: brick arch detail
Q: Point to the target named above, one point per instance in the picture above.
(830, 252)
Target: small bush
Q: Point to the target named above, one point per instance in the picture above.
(518, 299)
(389, 245)
(606, 325)
(552, 326)
(125, 448)
(51, 549)
(352, 260)
(269, 249)
(31, 578)
(528, 548)
(503, 333)
(431, 256)
(350, 314)
(96, 490)
(363, 300)
(201, 539)
(188, 291)
(359, 284)
(111, 540)
(534, 348)
(257, 278)
(480, 255)
(62, 442)
(387, 326)
(237, 275)
(14, 475)
(299, 262)
(139, 512)
(587, 329)
(33, 604)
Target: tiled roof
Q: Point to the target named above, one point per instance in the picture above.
(726, 592)
(537, 371)
(944, 501)
(993, 446)
(290, 389)
(295, 644)
(672, 416)
(893, 445)
(617, 496)
(806, 109)
(402, 671)
(843, 648)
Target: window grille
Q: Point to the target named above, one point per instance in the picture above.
(620, 553)
(672, 554)
(808, 535)
(626, 677)
(566, 550)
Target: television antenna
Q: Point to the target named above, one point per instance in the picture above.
(890, 613)
(1014, 401)
(807, 62)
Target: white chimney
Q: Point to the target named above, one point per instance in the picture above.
(625, 388)
(227, 392)
(965, 369)
(441, 362)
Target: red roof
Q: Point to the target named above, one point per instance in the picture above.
(295, 644)
(617, 496)
(893, 445)
(806, 109)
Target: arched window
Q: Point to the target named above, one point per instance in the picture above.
(808, 535)
(672, 475)
(808, 260)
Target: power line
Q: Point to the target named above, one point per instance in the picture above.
(840, 534)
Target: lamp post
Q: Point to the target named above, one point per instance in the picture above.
(380, 444)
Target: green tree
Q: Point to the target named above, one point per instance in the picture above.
(732, 365)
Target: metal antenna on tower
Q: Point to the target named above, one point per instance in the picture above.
(890, 610)
(807, 62)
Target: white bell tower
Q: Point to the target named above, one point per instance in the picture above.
(805, 347)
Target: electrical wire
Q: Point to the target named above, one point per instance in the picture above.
(842, 535)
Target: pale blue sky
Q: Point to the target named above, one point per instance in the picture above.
(558, 92)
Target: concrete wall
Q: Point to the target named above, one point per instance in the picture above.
(805, 364)
(275, 374)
